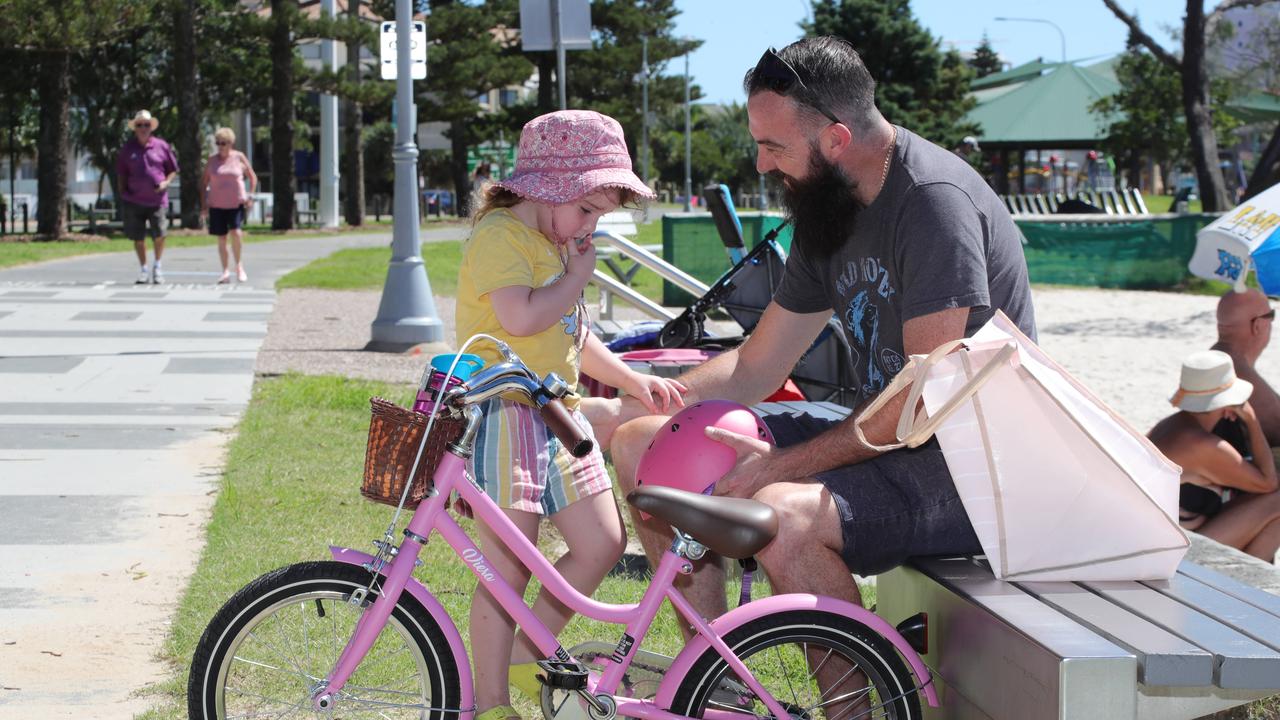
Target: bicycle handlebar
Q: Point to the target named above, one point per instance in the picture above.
(514, 377)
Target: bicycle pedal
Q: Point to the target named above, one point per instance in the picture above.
(563, 675)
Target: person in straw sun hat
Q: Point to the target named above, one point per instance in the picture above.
(144, 168)
(1225, 495)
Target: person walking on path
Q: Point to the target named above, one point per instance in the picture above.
(224, 201)
(145, 167)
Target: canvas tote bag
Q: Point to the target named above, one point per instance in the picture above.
(1057, 486)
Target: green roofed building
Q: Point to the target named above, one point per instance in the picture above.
(1049, 110)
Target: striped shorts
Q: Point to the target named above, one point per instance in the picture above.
(521, 465)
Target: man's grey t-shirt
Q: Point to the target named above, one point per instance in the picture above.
(935, 237)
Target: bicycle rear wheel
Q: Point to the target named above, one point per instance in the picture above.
(267, 649)
(818, 665)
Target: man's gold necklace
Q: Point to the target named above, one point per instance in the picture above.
(893, 141)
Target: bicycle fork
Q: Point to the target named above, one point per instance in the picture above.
(371, 622)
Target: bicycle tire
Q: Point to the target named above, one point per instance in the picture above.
(892, 686)
(305, 618)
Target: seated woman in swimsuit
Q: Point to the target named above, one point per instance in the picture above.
(1225, 495)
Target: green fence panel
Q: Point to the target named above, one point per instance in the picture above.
(690, 242)
(1135, 253)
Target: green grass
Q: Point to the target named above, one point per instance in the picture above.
(1164, 204)
(366, 269)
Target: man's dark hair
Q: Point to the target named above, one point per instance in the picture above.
(833, 76)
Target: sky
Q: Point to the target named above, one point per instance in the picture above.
(736, 32)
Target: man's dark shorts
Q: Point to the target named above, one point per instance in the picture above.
(892, 507)
(138, 217)
(224, 220)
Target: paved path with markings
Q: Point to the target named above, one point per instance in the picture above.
(115, 404)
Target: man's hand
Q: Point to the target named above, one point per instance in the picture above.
(756, 466)
(162, 186)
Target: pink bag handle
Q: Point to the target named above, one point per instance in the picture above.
(911, 432)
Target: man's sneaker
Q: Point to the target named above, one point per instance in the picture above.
(157, 275)
(144, 276)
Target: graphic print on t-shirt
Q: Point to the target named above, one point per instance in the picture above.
(866, 283)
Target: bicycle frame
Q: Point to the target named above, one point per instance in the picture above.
(432, 516)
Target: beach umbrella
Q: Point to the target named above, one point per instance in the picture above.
(1247, 236)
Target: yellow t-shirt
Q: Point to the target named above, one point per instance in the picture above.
(502, 252)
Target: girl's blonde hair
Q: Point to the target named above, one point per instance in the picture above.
(225, 133)
(491, 196)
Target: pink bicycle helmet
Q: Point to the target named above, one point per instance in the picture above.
(681, 455)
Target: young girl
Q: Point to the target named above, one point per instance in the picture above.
(521, 280)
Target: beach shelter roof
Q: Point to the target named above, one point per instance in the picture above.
(1255, 108)
(1050, 110)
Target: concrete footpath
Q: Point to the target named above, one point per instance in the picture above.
(116, 402)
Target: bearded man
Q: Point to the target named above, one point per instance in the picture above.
(910, 248)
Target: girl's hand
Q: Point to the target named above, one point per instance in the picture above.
(582, 256)
(659, 395)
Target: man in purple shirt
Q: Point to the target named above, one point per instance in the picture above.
(144, 167)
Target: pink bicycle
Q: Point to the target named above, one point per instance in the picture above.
(358, 636)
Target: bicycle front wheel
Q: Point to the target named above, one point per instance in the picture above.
(817, 665)
(267, 649)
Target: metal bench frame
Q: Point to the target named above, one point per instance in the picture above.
(1197, 644)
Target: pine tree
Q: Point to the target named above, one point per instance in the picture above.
(985, 60)
(918, 86)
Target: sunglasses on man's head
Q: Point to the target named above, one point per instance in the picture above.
(1270, 315)
(142, 125)
(220, 142)
(779, 76)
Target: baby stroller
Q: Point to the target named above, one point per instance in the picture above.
(823, 372)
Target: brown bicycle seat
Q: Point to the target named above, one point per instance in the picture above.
(734, 527)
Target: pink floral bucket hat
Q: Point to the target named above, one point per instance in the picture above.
(568, 154)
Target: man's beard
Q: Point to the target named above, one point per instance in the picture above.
(822, 207)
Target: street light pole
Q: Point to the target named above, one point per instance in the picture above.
(688, 141)
(328, 132)
(1061, 36)
(407, 313)
(558, 40)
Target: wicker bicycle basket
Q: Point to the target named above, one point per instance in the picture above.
(395, 433)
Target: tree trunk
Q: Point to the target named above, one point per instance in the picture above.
(282, 182)
(53, 149)
(1267, 172)
(353, 153)
(458, 167)
(190, 162)
(1195, 103)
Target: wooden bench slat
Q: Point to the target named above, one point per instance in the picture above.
(1163, 658)
(1242, 662)
(1254, 596)
(1247, 619)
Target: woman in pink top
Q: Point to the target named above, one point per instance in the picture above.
(225, 201)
